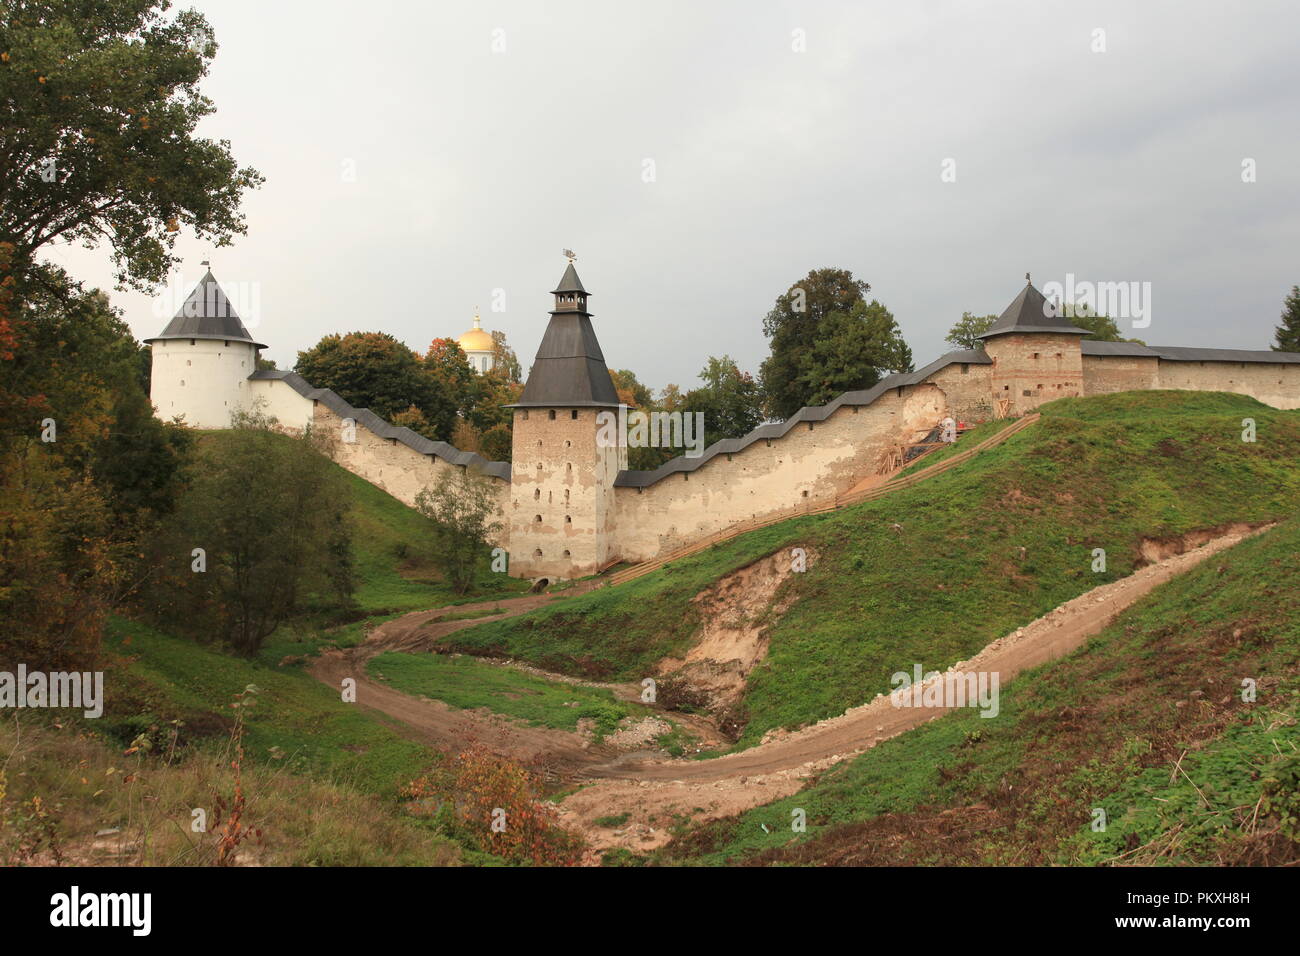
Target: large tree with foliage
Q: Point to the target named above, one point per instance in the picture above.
(270, 512)
(86, 471)
(1288, 333)
(100, 105)
(852, 351)
(730, 399)
(462, 504)
(965, 334)
(797, 369)
(374, 370)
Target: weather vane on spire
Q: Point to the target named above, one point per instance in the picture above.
(1027, 279)
(571, 255)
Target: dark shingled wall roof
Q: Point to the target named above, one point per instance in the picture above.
(206, 314)
(1031, 312)
(364, 416)
(814, 413)
(1178, 353)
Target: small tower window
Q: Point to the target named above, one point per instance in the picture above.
(566, 552)
(537, 519)
(574, 414)
(568, 519)
(537, 553)
(551, 415)
(568, 467)
(537, 493)
(566, 496)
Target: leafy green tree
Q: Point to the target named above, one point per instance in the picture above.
(373, 370)
(86, 470)
(445, 360)
(462, 504)
(497, 443)
(630, 390)
(1101, 328)
(730, 399)
(270, 512)
(796, 369)
(965, 334)
(101, 102)
(1288, 333)
(852, 351)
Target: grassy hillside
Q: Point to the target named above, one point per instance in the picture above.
(933, 573)
(322, 776)
(1146, 722)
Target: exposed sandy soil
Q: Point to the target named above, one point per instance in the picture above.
(733, 637)
(654, 791)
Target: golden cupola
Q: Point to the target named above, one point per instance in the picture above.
(478, 346)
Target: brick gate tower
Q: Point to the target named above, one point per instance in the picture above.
(562, 478)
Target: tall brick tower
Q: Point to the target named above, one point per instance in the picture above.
(1035, 353)
(562, 478)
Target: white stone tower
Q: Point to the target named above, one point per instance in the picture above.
(202, 360)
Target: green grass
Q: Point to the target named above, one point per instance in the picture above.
(1103, 727)
(295, 716)
(984, 548)
(466, 683)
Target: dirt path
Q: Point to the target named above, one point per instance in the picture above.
(653, 791)
(437, 724)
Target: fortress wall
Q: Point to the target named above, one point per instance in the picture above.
(282, 403)
(968, 392)
(806, 466)
(1273, 384)
(387, 463)
(1119, 373)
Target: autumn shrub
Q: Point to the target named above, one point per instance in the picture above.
(494, 804)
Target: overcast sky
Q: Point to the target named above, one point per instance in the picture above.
(474, 168)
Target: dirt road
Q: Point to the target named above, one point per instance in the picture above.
(651, 790)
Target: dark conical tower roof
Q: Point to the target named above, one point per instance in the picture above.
(569, 370)
(206, 314)
(569, 282)
(1031, 312)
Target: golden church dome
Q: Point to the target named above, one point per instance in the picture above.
(476, 340)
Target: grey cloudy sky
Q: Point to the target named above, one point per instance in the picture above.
(474, 168)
